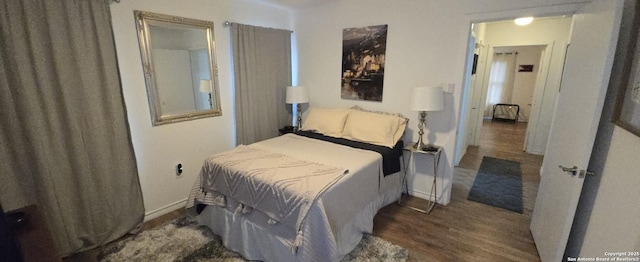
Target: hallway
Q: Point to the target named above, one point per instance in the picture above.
(505, 140)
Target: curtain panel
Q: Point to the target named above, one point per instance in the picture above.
(65, 138)
(262, 71)
(503, 70)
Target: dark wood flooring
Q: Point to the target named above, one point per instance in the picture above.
(466, 230)
(463, 230)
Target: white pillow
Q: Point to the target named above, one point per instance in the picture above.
(377, 129)
(403, 125)
(398, 135)
(326, 121)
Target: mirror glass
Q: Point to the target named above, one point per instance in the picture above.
(179, 65)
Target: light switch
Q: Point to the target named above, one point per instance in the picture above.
(450, 88)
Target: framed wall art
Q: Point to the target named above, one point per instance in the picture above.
(363, 56)
(627, 108)
(525, 68)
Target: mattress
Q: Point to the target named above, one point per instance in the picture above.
(335, 222)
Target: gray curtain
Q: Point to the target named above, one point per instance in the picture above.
(262, 69)
(65, 138)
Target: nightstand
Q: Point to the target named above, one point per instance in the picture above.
(35, 238)
(286, 130)
(434, 153)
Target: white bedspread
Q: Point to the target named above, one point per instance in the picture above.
(335, 221)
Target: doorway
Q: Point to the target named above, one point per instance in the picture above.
(532, 60)
(523, 141)
(537, 52)
(588, 67)
(514, 74)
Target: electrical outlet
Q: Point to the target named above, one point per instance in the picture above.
(179, 169)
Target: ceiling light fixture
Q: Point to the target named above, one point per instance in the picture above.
(523, 20)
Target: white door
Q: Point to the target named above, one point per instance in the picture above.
(573, 129)
(480, 92)
(469, 80)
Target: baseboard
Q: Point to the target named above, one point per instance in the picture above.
(464, 152)
(164, 210)
(423, 195)
(535, 153)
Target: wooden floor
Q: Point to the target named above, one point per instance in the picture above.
(466, 230)
(463, 230)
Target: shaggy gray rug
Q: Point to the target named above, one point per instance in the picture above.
(183, 240)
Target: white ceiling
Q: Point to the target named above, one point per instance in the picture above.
(297, 3)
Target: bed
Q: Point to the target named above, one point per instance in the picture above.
(304, 196)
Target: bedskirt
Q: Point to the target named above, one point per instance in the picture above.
(325, 238)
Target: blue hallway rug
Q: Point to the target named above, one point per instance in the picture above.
(499, 184)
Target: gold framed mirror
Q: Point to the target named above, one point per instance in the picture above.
(178, 59)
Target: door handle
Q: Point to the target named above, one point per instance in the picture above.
(575, 171)
(571, 170)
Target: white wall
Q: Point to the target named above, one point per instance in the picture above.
(426, 45)
(546, 31)
(418, 53)
(158, 149)
(524, 83)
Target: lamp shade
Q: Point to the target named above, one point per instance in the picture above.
(205, 86)
(427, 99)
(297, 95)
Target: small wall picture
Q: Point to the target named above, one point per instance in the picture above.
(475, 64)
(363, 57)
(525, 68)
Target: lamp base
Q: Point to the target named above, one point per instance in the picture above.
(299, 120)
(425, 147)
(420, 144)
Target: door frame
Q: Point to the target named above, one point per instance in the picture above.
(538, 92)
(473, 137)
(482, 82)
(538, 96)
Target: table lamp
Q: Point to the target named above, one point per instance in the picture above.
(297, 95)
(425, 99)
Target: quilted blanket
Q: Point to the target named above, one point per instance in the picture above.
(280, 186)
